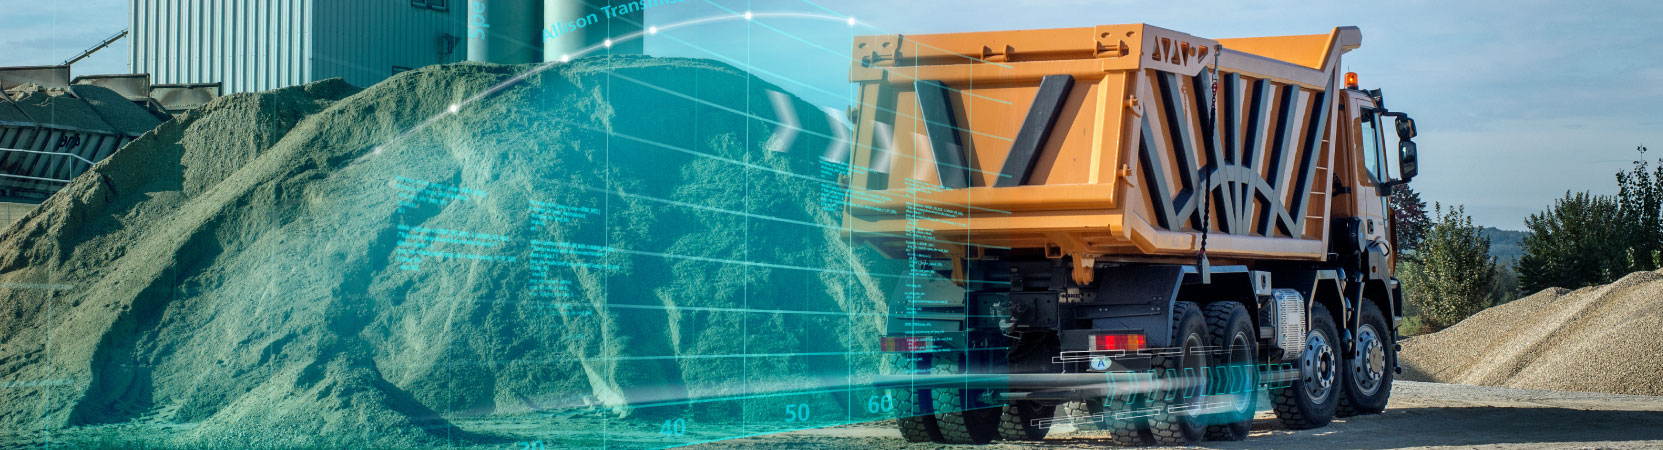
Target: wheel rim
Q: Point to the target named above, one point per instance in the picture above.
(1240, 353)
(1317, 367)
(1194, 359)
(1369, 367)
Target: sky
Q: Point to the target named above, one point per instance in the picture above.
(1517, 102)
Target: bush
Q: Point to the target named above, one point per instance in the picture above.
(1575, 243)
(1453, 276)
(1640, 208)
(1413, 326)
(1586, 239)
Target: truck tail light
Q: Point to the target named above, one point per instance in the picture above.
(1127, 342)
(906, 344)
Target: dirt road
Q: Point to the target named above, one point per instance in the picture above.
(1421, 415)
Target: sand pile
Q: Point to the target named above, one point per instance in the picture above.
(1595, 339)
(292, 268)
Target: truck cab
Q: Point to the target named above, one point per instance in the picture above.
(1364, 239)
(1367, 197)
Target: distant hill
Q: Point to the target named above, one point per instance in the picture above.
(1505, 245)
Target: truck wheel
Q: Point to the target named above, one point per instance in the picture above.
(1310, 400)
(960, 414)
(1125, 432)
(1368, 375)
(1016, 423)
(1235, 378)
(1179, 420)
(1073, 412)
(913, 413)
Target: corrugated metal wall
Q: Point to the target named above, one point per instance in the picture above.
(248, 45)
(253, 45)
(363, 40)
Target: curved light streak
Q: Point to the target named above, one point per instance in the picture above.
(456, 107)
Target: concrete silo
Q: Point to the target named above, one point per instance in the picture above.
(526, 31)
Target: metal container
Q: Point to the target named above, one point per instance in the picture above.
(177, 98)
(1098, 142)
(46, 76)
(133, 86)
(48, 137)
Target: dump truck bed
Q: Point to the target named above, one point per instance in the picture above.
(1096, 142)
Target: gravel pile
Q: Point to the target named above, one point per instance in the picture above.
(1596, 339)
(320, 266)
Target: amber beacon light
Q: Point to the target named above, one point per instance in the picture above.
(1351, 80)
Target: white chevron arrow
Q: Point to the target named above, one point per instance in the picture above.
(786, 114)
(838, 150)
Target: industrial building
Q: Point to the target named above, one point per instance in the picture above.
(254, 45)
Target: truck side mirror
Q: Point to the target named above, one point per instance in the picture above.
(1406, 157)
(1405, 128)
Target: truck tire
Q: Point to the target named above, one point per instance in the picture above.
(1368, 374)
(1073, 412)
(1309, 401)
(916, 421)
(1187, 371)
(913, 413)
(1016, 422)
(1235, 378)
(1125, 432)
(960, 414)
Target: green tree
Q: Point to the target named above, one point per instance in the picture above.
(1409, 221)
(1573, 244)
(1454, 276)
(1640, 209)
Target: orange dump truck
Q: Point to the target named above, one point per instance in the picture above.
(1147, 224)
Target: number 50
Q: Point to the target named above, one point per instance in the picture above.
(796, 413)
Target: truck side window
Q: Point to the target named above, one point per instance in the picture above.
(1371, 144)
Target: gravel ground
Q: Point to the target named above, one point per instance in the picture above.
(1594, 339)
(1421, 415)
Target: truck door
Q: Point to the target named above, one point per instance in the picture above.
(1367, 165)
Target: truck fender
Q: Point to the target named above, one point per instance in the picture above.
(1376, 258)
(1229, 283)
(1132, 298)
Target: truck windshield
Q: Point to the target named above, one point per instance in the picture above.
(1371, 144)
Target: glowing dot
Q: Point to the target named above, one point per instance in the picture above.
(565, 58)
(652, 30)
(748, 15)
(608, 43)
(454, 108)
(851, 21)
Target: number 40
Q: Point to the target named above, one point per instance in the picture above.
(677, 427)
